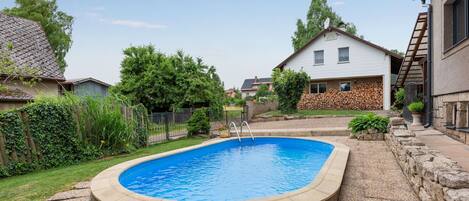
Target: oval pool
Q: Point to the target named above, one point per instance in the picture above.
(230, 170)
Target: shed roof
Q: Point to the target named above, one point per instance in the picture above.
(411, 70)
(30, 46)
(15, 95)
(78, 81)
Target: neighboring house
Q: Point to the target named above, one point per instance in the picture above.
(30, 49)
(85, 87)
(250, 86)
(447, 91)
(346, 72)
(230, 93)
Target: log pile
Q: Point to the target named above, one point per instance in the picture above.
(366, 94)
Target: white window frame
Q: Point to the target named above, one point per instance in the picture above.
(338, 55)
(314, 57)
(340, 88)
(317, 83)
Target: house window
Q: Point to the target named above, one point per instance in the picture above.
(317, 88)
(456, 22)
(454, 115)
(467, 115)
(344, 55)
(345, 86)
(319, 57)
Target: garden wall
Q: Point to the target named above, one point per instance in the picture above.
(365, 94)
(432, 176)
(255, 108)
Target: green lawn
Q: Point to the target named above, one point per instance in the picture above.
(306, 113)
(43, 184)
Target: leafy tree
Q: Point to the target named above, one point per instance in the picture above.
(167, 82)
(26, 74)
(56, 24)
(263, 91)
(318, 12)
(289, 86)
(397, 52)
(198, 123)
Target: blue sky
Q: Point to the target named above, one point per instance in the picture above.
(241, 38)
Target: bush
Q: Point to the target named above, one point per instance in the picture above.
(198, 123)
(289, 87)
(369, 121)
(60, 131)
(416, 107)
(399, 97)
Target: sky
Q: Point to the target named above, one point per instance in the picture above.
(241, 38)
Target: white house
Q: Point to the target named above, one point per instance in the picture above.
(346, 72)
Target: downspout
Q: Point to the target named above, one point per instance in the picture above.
(429, 108)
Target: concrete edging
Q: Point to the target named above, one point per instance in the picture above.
(325, 187)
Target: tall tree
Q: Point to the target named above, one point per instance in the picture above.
(167, 82)
(318, 12)
(56, 24)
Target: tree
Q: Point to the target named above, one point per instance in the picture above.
(56, 24)
(318, 12)
(289, 87)
(397, 52)
(263, 91)
(167, 82)
(26, 74)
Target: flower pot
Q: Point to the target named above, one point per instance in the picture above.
(416, 119)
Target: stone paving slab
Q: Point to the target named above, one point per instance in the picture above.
(372, 173)
(449, 147)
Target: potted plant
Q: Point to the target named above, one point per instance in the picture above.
(416, 108)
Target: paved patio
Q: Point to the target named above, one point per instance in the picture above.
(372, 173)
(453, 149)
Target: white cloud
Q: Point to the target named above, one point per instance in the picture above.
(337, 3)
(137, 24)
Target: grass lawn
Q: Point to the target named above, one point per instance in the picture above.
(306, 113)
(43, 184)
(231, 108)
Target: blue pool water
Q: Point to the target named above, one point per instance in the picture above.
(230, 170)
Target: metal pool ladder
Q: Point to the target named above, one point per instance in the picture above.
(245, 123)
(233, 125)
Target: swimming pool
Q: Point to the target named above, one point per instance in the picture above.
(228, 170)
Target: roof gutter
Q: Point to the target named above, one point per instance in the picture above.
(428, 97)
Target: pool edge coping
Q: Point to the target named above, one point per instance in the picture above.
(106, 186)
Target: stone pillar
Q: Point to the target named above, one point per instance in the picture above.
(461, 118)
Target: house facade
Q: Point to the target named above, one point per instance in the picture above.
(31, 50)
(450, 69)
(85, 87)
(346, 72)
(250, 86)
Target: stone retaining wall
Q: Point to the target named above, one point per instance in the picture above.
(433, 176)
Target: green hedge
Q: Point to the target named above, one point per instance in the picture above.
(54, 132)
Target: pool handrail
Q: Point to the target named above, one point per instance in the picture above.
(232, 124)
(249, 128)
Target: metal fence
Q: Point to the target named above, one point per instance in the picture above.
(164, 126)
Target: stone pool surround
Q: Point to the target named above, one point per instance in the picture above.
(325, 187)
(432, 175)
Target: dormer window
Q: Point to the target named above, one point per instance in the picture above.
(319, 57)
(344, 55)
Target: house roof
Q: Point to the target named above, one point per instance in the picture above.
(30, 46)
(411, 69)
(392, 54)
(15, 95)
(78, 81)
(248, 83)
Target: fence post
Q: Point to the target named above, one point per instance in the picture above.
(166, 124)
(226, 117)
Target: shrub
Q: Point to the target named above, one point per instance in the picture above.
(289, 87)
(416, 106)
(399, 97)
(369, 121)
(198, 123)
